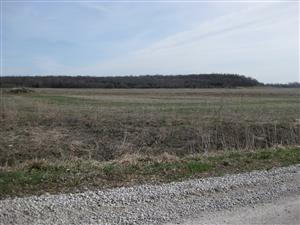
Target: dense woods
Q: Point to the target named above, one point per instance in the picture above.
(148, 81)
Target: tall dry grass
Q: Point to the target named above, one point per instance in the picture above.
(104, 124)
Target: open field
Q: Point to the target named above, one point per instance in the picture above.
(172, 129)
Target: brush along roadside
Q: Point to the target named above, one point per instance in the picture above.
(36, 177)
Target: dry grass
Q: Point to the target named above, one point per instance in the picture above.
(40, 176)
(102, 124)
(61, 140)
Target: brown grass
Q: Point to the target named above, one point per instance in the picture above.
(102, 125)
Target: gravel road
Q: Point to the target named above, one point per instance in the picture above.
(172, 203)
(285, 210)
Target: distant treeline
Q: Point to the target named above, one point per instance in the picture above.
(288, 85)
(148, 81)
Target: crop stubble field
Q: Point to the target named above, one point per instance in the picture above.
(59, 140)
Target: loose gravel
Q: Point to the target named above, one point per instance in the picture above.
(153, 204)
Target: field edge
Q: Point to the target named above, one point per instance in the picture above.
(35, 177)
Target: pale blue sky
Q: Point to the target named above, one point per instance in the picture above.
(114, 38)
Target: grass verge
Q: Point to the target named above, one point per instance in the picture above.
(40, 176)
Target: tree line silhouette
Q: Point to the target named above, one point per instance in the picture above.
(288, 85)
(145, 81)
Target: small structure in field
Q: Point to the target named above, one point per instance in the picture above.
(20, 90)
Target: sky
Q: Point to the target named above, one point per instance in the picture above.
(259, 39)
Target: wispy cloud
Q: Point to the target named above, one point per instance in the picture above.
(97, 38)
(95, 6)
(254, 41)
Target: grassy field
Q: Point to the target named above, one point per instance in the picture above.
(88, 136)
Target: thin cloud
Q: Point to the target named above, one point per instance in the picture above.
(243, 42)
(95, 6)
(256, 39)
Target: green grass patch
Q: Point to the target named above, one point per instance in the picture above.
(19, 182)
(41, 176)
(197, 167)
